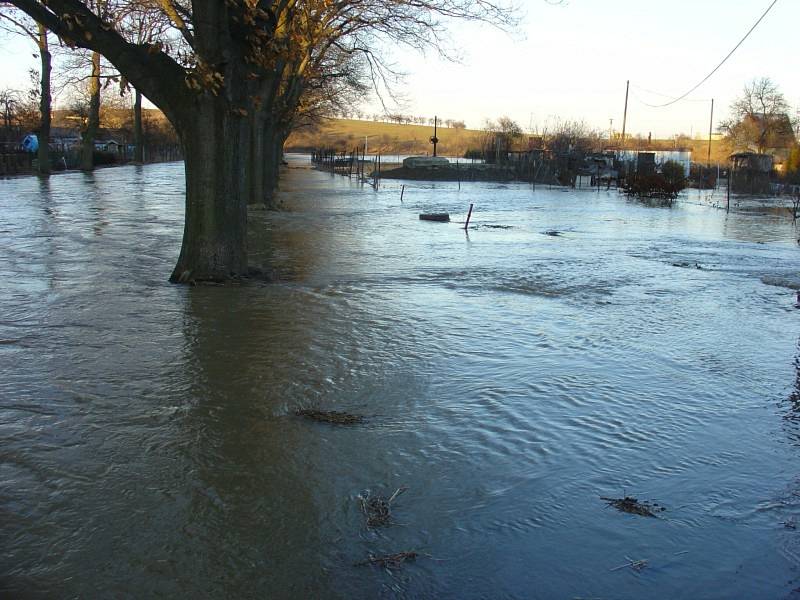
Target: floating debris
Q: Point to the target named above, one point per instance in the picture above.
(636, 565)
(494, 226)
(332, 416)
(441, 217)
(377, 509)
(553, 233)
(634, 507)
(791, 523)
(389, 561)
(686, 265)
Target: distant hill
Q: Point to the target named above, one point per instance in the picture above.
(386, 138)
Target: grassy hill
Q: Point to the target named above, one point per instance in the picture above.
(386, 138)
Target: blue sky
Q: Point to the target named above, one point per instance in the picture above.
(571, 61)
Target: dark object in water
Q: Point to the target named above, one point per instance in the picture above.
(323, 416)
(687, 265)
(377, 509)
(552, 233)
(634, 507)
(636, 565)
(389, 561)
(441, 217)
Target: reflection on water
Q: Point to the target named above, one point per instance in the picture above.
(509, 378)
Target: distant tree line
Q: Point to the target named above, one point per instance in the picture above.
(397, 118)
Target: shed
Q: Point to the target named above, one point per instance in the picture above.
(750, 172)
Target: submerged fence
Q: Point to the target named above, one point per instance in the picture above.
(15, 161)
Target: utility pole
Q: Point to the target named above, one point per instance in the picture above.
(625, 114)
(710, 129)
(434, 139)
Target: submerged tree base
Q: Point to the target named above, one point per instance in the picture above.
(254, 275)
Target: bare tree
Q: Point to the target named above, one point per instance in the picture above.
(571, 136)
(760, 118)
(17, 22)
(9, 102)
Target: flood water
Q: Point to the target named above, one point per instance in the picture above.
(148, 446)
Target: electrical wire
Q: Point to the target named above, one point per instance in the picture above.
(724, 60)
(639, 99)
(636, 97)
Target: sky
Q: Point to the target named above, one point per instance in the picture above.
(571, 61)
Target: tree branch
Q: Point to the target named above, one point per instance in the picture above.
(146, 66)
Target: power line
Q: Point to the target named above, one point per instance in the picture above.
(724, 60)
(640, 101)
(655, 93)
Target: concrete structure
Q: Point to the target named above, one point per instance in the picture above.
(425, 162)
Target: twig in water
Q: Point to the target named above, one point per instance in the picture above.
(636, 565)
(389, 561)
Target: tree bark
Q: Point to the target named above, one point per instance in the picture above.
(45, 102)
(138, 133)
(273, 154)
(216, 152)
(256, 197)
(93, 119)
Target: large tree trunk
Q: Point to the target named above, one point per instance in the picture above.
(273, 154)
(266, 151)
(256, 197)
(138, 132)
(45, 101)
(216, 151)
(93, 120)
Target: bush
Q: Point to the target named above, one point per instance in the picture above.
(673, 173)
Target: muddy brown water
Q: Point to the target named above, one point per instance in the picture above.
(148, 442)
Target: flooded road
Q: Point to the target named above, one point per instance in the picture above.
(148, 446)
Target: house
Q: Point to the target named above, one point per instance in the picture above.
(64, 137)
(112, 146)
